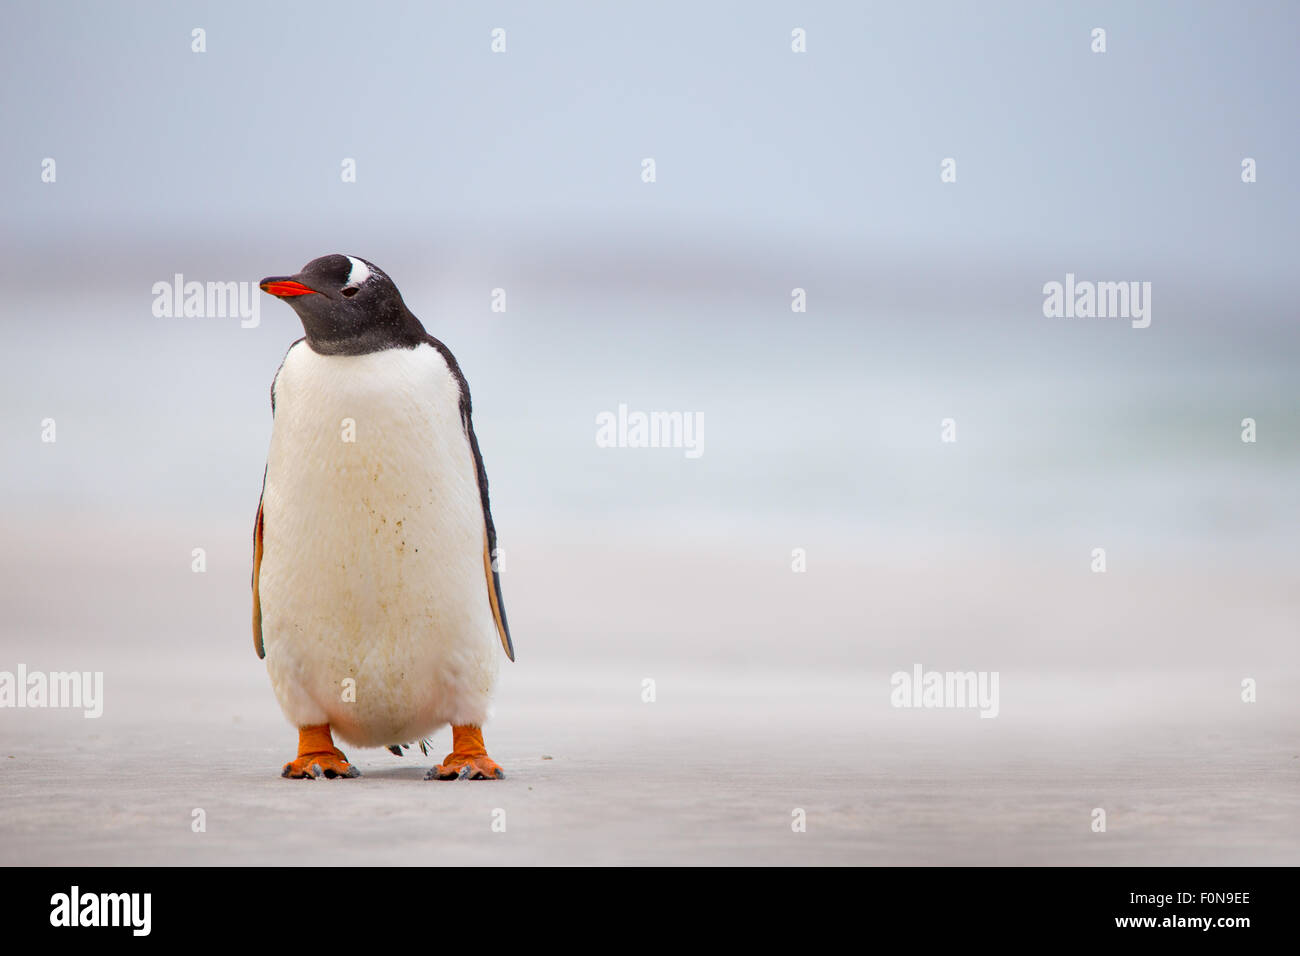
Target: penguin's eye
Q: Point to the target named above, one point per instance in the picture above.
(349, 292)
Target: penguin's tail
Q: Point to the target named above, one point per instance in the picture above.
(396, 749)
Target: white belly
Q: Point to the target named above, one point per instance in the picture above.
(372, 565)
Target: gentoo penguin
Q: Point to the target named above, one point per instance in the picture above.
(375, 600)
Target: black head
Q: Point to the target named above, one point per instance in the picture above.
(348, 306)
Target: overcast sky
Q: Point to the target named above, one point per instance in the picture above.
(1133, 153)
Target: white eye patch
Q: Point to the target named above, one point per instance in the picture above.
(359, 274)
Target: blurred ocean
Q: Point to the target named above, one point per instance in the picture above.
(1070, 433)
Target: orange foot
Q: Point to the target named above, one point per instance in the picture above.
(318, 757)
(468, 759)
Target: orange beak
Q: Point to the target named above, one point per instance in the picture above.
(284, 287)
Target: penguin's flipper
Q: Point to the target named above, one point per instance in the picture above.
(490, 531)
(489, 535)
(257, 527)
(494, 597)
(257, 600)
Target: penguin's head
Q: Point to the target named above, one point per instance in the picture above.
(347, 305)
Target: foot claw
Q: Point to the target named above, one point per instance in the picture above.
(457, 767)
(316, 765)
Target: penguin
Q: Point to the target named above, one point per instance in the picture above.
(376, 603)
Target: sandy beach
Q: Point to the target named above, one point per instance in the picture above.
(755, 717)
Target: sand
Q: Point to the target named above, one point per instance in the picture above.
(1127, 701)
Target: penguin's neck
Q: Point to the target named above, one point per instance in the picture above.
(392, 329)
